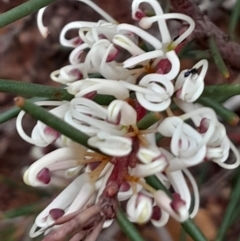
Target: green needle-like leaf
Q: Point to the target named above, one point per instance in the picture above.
(221, 92)
(226, 114)
(14, 111)
(23, 211)
(148, 120)
(193, 231)
(231, 208)
(51, 120)
(34, 90)
(234, 19)
(127, 227)
(23, 10)
(154, 182)
(218, 58)
(9, 114)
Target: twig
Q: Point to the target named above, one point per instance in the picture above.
(204, 29)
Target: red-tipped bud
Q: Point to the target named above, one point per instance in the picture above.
(44, 176)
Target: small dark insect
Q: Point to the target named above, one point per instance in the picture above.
(190, 71)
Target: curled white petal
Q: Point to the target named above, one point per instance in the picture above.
(232, 165)
(86, 191)
(110, 144)
(70, 26)
(166, 37)
(192, 85)
(126, 43)
(40, 138)
(146, 22)
(139, 208)
(42, 29)
(141, 33)
(99, 10)
(186, 144)
(63, 200)
(67, 74)
(154, 92)
(164, 202)
(101, 86)
(142, 58)
(162, 221)
(62, 154)
(121, 113)
(180, 186)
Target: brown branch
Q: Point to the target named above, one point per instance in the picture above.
(204, 29)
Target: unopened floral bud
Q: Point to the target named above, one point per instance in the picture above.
(177, 202)
(156, 215)
(44, 176)
(139, 208)
(56, 213)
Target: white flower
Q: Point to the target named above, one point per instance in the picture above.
(97, 58)
(128, 154)
(218, 145)
(189, 84)
(68, 74)
(186, 144)
(146, 22)
(153, 92)
(44, 30)
(90, 118)
(66, 159)
(121, 113)
(100, 86)
(42, 135)
(139, 208)
(74, 197)
(176, 207)
(214, 134)
(110, 144)
(153, 162)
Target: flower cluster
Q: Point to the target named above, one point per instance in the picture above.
(142, 75)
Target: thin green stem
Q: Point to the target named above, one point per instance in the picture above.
(23, 10)
(103, 99)
(225, 90)
(34, 90)
(234, 19)
(155, 183)
(231, 208)
(235, 216)
(226, 114)
(127, 227)
(158, 137)
(9, 114)
(193, 231)
(148, 120)
(183, 235)
(14, 111)
(50, 92)
(218, 58)
(51, 120)
(22, 211)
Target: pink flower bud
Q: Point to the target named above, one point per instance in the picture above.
(44, 176)
(56, 213)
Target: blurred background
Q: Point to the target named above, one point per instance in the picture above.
(26, 56)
